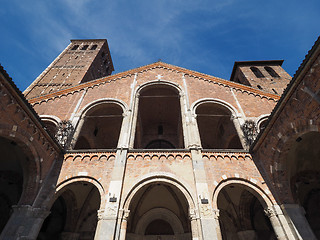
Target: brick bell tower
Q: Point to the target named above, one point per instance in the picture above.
(81, 61)
(268, 76)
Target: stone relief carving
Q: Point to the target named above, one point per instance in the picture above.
(250, 131)
(64, 133)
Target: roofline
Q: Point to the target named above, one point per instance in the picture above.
(260, 62)
(93, 40)
(155, 65)
(27, 107)
(291, 87)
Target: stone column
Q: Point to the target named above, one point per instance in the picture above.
(295, 215)
(123, 230)
(216, 215)
(25, 223)
(195, 223)
(106, 224)
(274, 214)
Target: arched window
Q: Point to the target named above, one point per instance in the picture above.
(159, 124)
(101, 127)
(257, 72)
(216, 128)
(85, 47)
(271, 72)
(94, 47)
(75, 47)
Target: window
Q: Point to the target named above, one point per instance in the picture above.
(271, 72)
(257, 72)
(85, 47)
(94, 47)
(75, 47)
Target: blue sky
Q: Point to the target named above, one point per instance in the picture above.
(204, 35)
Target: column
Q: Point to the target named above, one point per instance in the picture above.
(195, 224)
(216, 215)
(106, 224)
(124, 222)
(295, 215)
(25, 223)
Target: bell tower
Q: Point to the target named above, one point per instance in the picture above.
(81, 61)
(268, 76)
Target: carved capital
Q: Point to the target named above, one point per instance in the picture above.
(216, 214)
(270, 212)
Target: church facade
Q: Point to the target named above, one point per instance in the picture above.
(160, 151)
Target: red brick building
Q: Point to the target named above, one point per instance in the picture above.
(160, 152)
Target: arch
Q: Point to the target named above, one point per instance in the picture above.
(263, 198)
(215, 124)
(50, 123)
(262, 121)
(98, 119)
(230, 107)
(74, 209)
(241, 207)
(51, 118)
(158, 114)
(158, 202)
(157, 82)
(91, 180)
(21, 138)
(159, 213)
(95, 103)
(164, 178)
(272, 72)
(257, 72)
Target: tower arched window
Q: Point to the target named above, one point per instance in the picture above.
(272, 72)
(257, 72)
(85, 47)
(75, 47)
(94, 47)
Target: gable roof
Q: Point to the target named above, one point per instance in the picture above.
(152, 66)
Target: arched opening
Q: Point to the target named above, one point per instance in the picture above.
(257, 72)
(13, 163)
(50, 126)
(262, 124)
(159, 211)
(73, 214)
(303, 170)
(101, 127)
(159, 124)
(272, 72)
(242, 214)
(216, 128)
